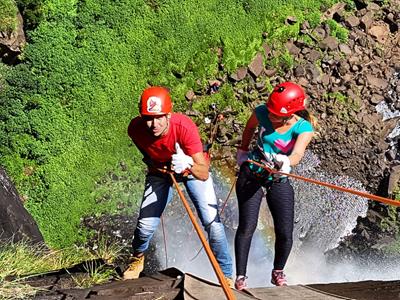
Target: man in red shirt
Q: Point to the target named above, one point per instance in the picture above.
(172, 141)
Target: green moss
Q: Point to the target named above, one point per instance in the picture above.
(338, 31)
(8, 15)
(64, 115)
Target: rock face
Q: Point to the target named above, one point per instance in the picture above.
(353, 90)
(11, 43)
(15, 222)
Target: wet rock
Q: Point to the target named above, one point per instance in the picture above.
(16, 223)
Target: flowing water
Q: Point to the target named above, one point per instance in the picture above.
(322, 217)
(390, 109)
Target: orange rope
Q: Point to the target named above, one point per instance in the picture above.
(332, 186)
(217, 269)
(227, 290)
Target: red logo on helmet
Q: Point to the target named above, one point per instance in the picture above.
(154, 104)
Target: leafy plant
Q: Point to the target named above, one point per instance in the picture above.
(8, 15)
(338, 31)
(93, 275)
(65, 109)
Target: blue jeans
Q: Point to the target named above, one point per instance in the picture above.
(158, 193)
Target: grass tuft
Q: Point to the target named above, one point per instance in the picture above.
(19, 261)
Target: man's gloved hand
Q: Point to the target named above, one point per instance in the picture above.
(241, 156)
(284, 159)
(181, 161)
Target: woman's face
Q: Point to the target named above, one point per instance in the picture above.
(275, 119)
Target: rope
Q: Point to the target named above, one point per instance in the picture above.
(165, 242)
(224, 284)
(332, 186)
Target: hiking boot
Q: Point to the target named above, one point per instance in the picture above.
(229, 280)
(135, 267)
(240, 283)
(278, 278)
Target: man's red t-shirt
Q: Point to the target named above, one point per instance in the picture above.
(159, 150)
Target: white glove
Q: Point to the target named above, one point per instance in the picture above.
(241, 156)
(181, 161)
(285, 168)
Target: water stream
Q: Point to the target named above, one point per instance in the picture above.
(322, 217)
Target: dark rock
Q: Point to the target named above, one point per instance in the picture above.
(257, 65)
(292, 48)
(299, 71)
(367, 20)
(329, 43)
(239, 75)
(12, 43)
(313, 55)
(16, 223)
(190, 95)
(376, 82)
(352, 21)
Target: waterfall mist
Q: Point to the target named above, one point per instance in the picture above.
(322, 217)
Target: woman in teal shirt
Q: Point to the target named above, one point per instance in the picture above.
(284, 131)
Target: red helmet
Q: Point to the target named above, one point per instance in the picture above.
(286, 99)
(155, 101)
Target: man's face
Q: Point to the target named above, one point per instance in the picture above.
(157, 125)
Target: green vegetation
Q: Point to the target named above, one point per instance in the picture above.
(21, 259)
(8, 15)
(338, 31)
(338, 96)
(66, 107)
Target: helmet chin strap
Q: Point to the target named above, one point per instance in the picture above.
(287, 119)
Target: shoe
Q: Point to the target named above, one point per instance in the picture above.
(230, 282)
(278, 278)
(135, 267)
(240, 282)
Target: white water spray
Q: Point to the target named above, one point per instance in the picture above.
(322, 217)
